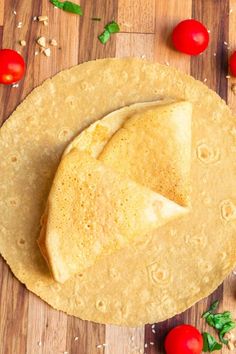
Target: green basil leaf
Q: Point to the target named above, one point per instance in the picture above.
(209, 343)
(220, 319)
(210, 320)
(68, 6)
(57, 3)
(226, 328)
(205, 342)
(212, 308)
(104, 37)
(112, 27)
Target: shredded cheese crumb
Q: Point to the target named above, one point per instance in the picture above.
(53, 42)
(227, 76)
(205, 80)
(41, 41)
(34, 18)
(225, 43)
(15, 85)
(19, 25)
(23, 43)
(145, 345)
(99, 346)
(45, 23)
(36, 53)
(14, 12)
(40, 343)
(214, 54)
(151, 343)
(76, 338)
(42, 18)
(47, 52)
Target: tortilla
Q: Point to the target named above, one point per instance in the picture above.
(92, 212)
(154, 280)
(151, 145)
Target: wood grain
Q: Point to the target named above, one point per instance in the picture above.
(27, 324)
(168, 14)
(13, 313)
(1, 12)
(136, 16)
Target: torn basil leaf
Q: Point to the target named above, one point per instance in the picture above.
(209, 343)
(104, 37)
(212, 308)
(112, 27)
(68, 6)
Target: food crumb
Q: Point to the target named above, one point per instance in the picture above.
(41, 41)
(225, 43)
(34, 18)
(151, 343)
(214, 54)
(45, 23)
(42, 18)
(99, 346)
(23, 43)
(205, 80)
(230, 345)
(53, 42)
(227, 76)
(47, 52)
(153, 331)
(230, 11)
(145, 345)
(36, 53)
(15, 85)
(167, 63)
(40, 343)
(209, 31)
(76, 338)
(14, 12)
(19, 25)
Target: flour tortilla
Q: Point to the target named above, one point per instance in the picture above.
(93, 211)
(149, 143)
(155, 280)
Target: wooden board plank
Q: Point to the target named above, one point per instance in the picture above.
(127, 340)
(168, 14)
(1, 12)
(136, 16)
(13, 313)
(135, 45)
(90, 47)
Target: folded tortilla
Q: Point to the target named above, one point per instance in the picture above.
(92, 212)
(148, 142)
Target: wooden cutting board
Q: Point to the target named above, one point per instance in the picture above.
(27, 324)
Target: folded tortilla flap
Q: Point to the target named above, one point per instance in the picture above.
(153, 148)
(93, 211)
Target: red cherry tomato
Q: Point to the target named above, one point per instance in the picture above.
(190, 37)
(12, 66)
(184, 339)
(232, 64)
